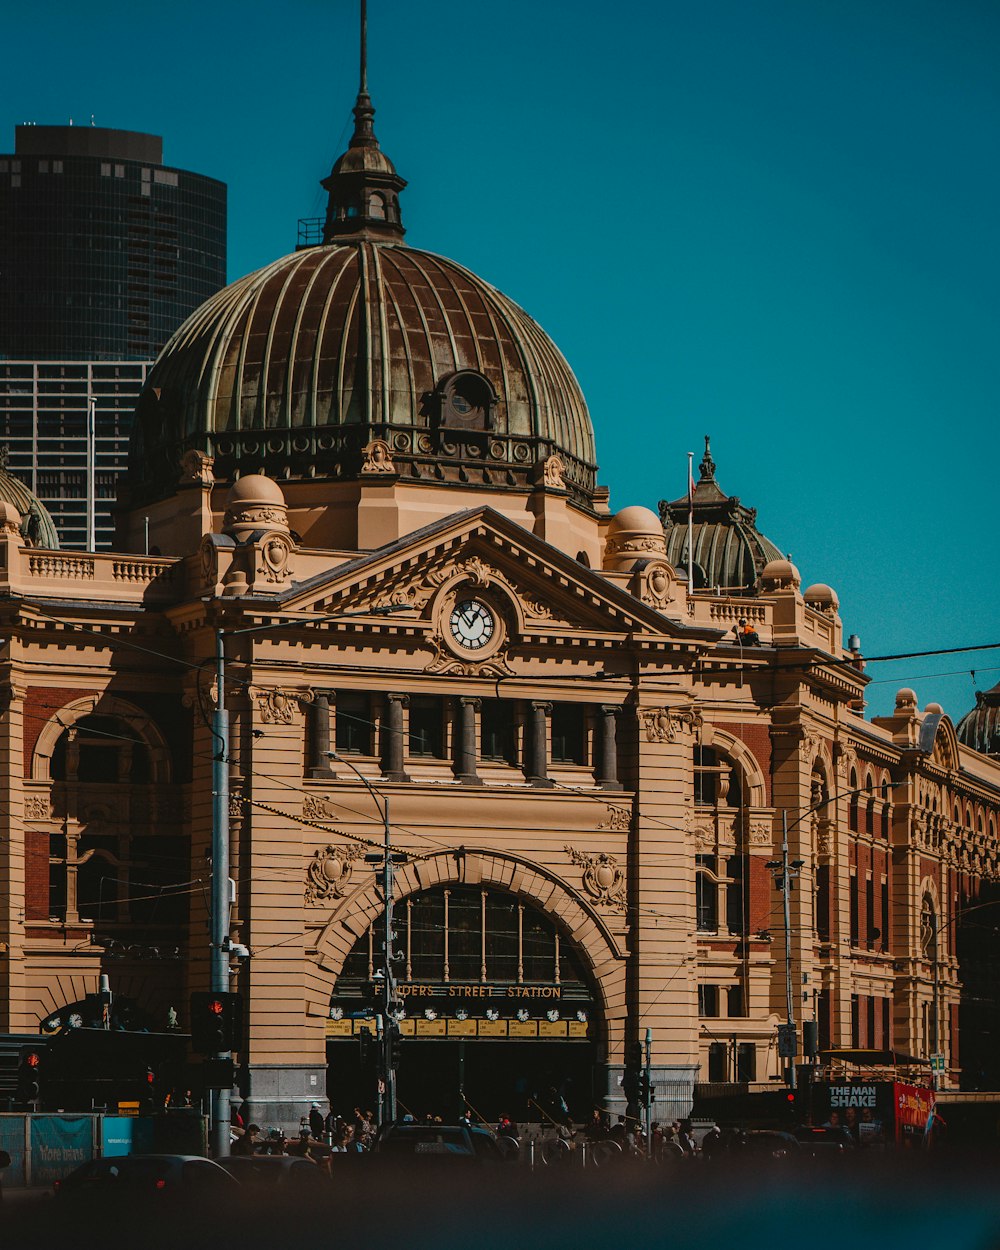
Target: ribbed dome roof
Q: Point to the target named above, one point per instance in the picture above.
(729, 550)
(295, 368)
(980, 728)
(37, 527)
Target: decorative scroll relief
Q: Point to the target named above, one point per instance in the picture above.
(662, 724)
(760, 833)
(377, 457)
(445, 662)
(329, 873)
(704, 838)
(275, 553)
(278, 707)
(552, 472)
(37, 807)
(603, 877)
(619, 820)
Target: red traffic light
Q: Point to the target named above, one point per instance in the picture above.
(33, 1060)
(216, 1007)
(150, 1076)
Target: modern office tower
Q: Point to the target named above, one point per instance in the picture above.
(104, 251)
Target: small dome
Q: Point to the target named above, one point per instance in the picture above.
(634, 534)
(780, 574)
(934, 709)
(822, 596)
(256, 488)
(635, 520)
(729, 550)
(36, 526)
(906, 699)
(980, 728)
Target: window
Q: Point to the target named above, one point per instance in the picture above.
(706, 895)
(870, 816)
(427, 726)
(498, 731)
(746, 1061)
(869, 912)
(354, 723)
(708, 1000)
(885, 914)
(887, 1023)
(100, 749)
(718, 1061)
(855, 935)
(735, 912)
(852, 811)
(855, 1021)
(823, 902)
(569, 733)
(734, 1003)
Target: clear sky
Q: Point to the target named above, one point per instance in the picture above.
(774, 221)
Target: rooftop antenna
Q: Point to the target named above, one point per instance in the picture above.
(364, 47)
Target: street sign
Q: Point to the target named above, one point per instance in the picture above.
(787, 1045)
(937, 1063)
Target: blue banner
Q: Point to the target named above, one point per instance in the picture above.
(12, 1140)
(59, 1143)
(125, 1135)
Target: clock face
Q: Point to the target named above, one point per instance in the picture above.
(472, 624)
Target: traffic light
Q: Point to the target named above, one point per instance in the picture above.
(366, 1045)
(644, 1088)
(150, 1093)
(633, 1067)
(29, 1072)
(395, 1045)
(216, 1022)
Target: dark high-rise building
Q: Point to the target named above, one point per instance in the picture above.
(104, 250)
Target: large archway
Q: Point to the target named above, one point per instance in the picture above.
(499, 1015)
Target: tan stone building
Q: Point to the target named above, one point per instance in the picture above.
(588, 768)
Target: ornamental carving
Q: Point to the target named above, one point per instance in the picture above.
(274, 553)
(445, 662)
(278, 707)
(643, 542)
(662, 724)
(197, 467)
(657, 585)
(209, 561)
(760, 833)
(37, 807)
(315, 808)
(329, 873)
(603, 877)
(704, 838)
(552, 472)
(377, 457)
(236, 801)
(619, 820)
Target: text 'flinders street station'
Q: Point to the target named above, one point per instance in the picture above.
(373, 477)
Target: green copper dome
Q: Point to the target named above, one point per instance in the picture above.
(37, 528)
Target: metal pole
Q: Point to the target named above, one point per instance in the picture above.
(219, 956)
(936, 992)
(648, 1108)
(91, 474)
(390, 985)
(785, 893)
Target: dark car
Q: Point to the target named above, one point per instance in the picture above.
(282, 1174)
(438, 1143)
(825, 1142)
(150, 1177)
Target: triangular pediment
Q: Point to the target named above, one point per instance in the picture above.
(550, 594)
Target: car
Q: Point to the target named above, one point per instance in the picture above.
(148, 1176)
(438, 1143)
(283, 1174)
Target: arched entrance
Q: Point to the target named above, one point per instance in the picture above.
(499, 1013)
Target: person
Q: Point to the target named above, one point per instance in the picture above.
(745, 636)
(316, 1121)
(596, 1128)
(685, 1138)
(247, 1144)
(712, 1143)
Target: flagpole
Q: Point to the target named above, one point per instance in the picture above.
(690, 522)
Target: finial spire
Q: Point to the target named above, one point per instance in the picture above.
(363, 184)
(363, 89)
(707, 465)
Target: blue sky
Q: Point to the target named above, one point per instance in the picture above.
(774, 221)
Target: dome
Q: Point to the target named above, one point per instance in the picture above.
(980, 728)
(294, 370)
(36, 526)
(255, 488)
(780, 574)
(634, 534)
(729, 551)
(635, 520)
(821, 596)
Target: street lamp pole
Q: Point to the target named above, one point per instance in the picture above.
(386, 1030)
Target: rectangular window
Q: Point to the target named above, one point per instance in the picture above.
(870, 1023)
(855, 1021)
(869, 912)
(854, 910)
(498, 731)
(823, 1016)
(887, 1023)
(105, 169)
(427, 726)
(569, 733)
(718, 1061)
(823, 902)
(57, 167)
(735, 917)
(353, 723)
(706, 895)
(708, 1000)
(885, 915)
(746, 1061)
(57, 876)
(734, 1003)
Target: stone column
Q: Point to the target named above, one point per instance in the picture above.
(607, 759)
(392, 737)
(465, 742)
(319, 735)
(538, 736)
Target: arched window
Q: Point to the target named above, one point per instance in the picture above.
(886, 811)
(101, 749)
(852, 812)
(716, 779)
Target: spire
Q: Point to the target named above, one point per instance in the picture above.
(363, 184)
(707, 465)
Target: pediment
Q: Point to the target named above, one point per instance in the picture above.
(550, 596)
